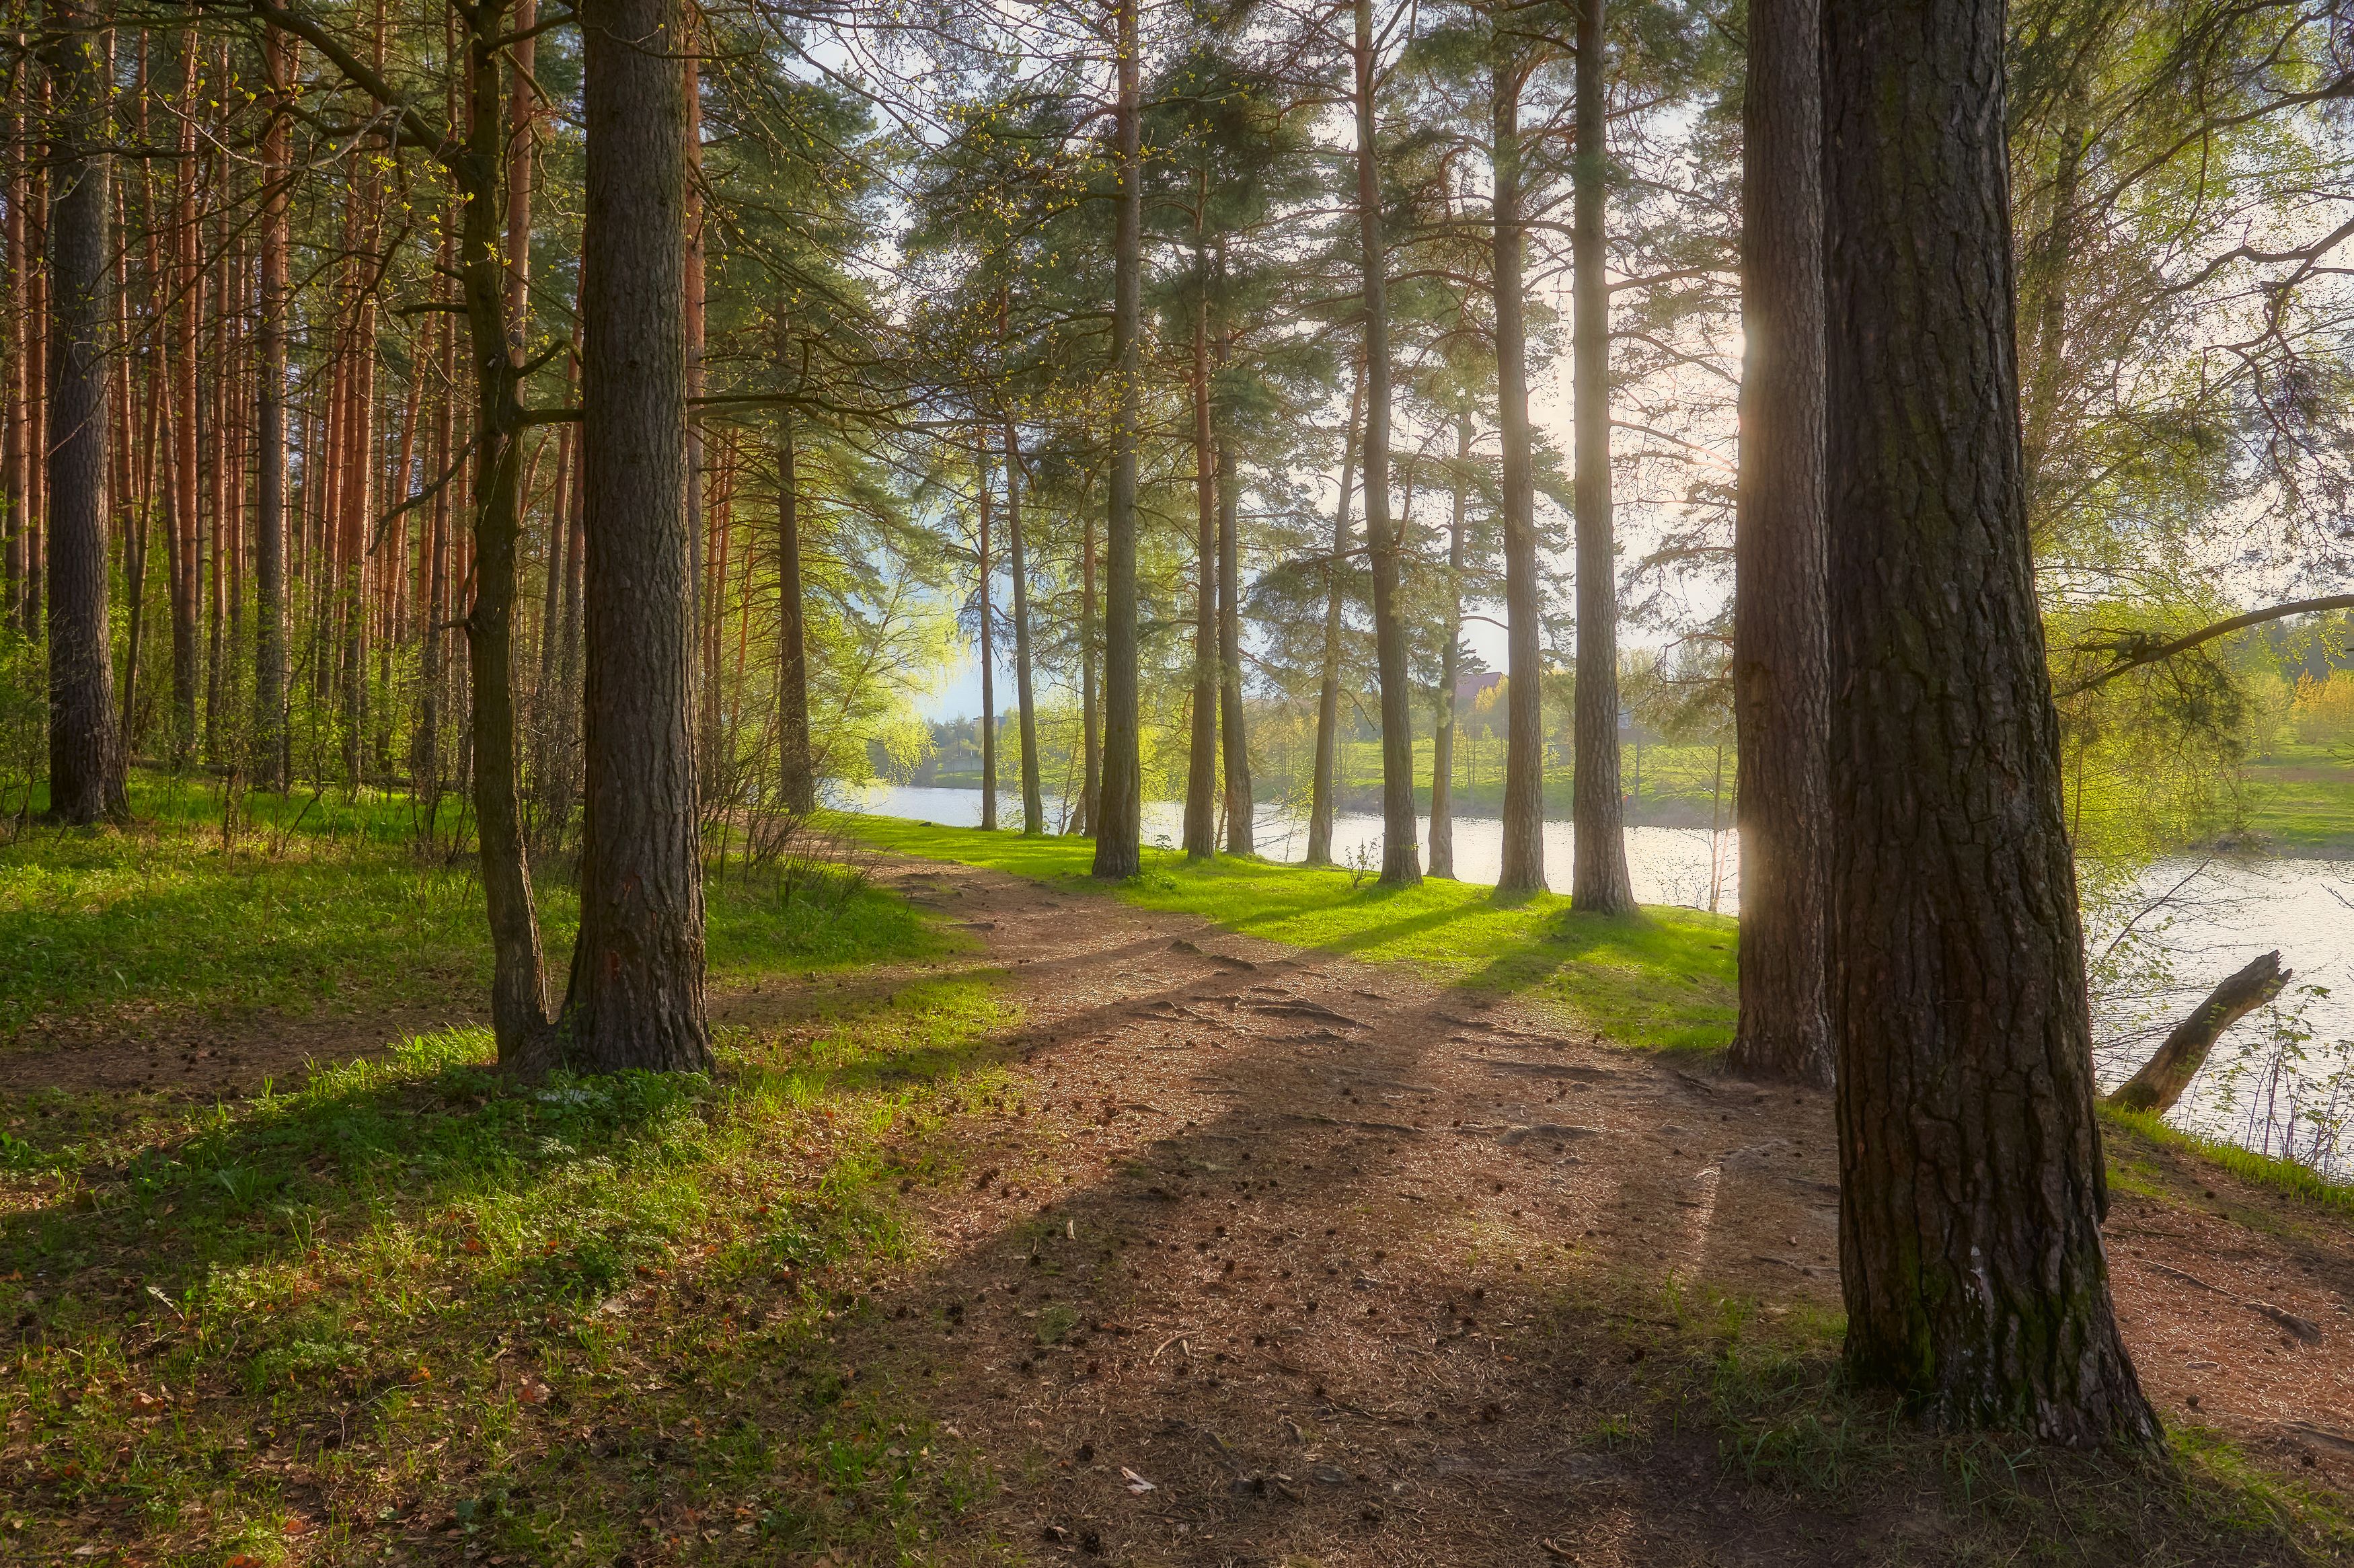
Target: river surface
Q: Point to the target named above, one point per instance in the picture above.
(2282, 1081)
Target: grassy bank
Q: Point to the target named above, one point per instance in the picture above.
(2299, 798)
(1664, 981)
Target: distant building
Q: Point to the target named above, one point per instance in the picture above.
(1469, 688)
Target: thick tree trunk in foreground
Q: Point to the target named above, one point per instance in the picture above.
(1119, 806)
(1017, 562)
(1522, 870)
(636, 995)
(1972, 1187)
(86, 780)
(1598, 878)
(1328, 692)
(1401, 856)
(1780, 699)
(1202, 755)
(270, 463)
(2165, 1075)
(798, 778)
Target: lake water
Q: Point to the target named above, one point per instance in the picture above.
(2282, 1081)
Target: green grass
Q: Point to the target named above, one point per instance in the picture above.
(426, 1294)
(2300, 797)
(315, 905)
(1675, 786)
(1664, 982)
(2134, 1133)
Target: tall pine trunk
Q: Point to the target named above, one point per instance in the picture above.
(488, 748)
(1780, 698)
(1401, 857)
(1202, 757)
(1090, 649)
(425, 747)
(636, 997)
(1017, 562)
(86, 778)
(1972, 1187)
(186, 575)
(1328, 689)
(988, 657)
(797, 778)
(16, 345)
(1120, 805)
(269, 475)
(1522, 869)
(1442, 741)
(1598, 878)
(1234, 739)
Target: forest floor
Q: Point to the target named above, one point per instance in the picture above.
(1054, 1227)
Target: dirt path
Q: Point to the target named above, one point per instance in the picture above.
(1290, 1237)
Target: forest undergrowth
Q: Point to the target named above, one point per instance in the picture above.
(944, 1259)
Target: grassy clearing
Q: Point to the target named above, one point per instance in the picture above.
(1672, 785)
(2300, 797)
(1664, 982)
(410, 1304)
(313, 905)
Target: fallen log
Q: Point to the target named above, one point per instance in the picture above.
(2165, 1076)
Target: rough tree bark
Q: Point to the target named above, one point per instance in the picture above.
(1972, 1186)
(269, 475)
(1090, 648)
(1328, 690)
(1780, 698)
(1201, 756)
(1234, 739)
(522, 140)
(988, 658)
(636, 995)
(798, 778)
(1450, 664)
(1017, 562)
(1598, 878)
(518, 965)
(1522, 868)
(86, 779)
(2166, 1074)
(1401, 856)
(1119, 806)
(188, 281)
